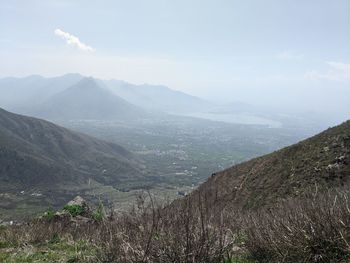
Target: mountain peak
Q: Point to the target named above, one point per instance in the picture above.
(87, 82)
(87, 99)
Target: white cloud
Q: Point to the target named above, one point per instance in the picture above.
(338, 71)
(73, 40)
(289, 55)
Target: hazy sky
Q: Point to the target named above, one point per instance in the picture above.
(262, 51)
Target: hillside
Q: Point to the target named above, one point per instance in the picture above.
(204, 228)
(87, 100)
(37, 156)
(320, 162)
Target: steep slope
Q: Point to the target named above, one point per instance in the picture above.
(157, 97)
(320, 162)
(87, 100)
(36, 153)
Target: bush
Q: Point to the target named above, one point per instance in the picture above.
(55, 239)
(99, 214)
(74, 210)
(49, 214)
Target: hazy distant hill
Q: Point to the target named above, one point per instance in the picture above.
(32, 95)
(157, 97)
(87, 99)
(20, 93)
(320, 162)
(37, 153)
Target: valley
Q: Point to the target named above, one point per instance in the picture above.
(294, 198)
(179, 153)
(174, 131)
(164, 153)
(183, 152)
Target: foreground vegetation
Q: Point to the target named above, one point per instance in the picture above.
(313, 229)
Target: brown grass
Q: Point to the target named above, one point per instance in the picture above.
(306, 230)
(314, 229)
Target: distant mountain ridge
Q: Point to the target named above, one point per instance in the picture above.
(87, 100)
(157, 97)
(55, 97)
(20, 93)
(26, 96)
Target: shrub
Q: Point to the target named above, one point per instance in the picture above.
(74, 210)
(99, 214)
(305, 230)
(49, 214)
(55, 239)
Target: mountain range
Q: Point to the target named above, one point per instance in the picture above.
(87, 100)
(62, 97)
(74, 96)
(157, 97)
(20, 93)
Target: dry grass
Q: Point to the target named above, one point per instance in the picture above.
(315, 229)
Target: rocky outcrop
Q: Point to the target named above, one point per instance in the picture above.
(79, 201)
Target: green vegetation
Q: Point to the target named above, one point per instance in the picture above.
(4, 244)
(62, 251)
(74, 210)
(241, 238)
(55, 239)
(49, 214)
(99, 214)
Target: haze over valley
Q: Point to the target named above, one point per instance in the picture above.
(174, 131)
(177, 151)
(180, 139)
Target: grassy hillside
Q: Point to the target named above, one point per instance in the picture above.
(310, 165)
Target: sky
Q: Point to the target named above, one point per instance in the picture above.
(286, 53)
